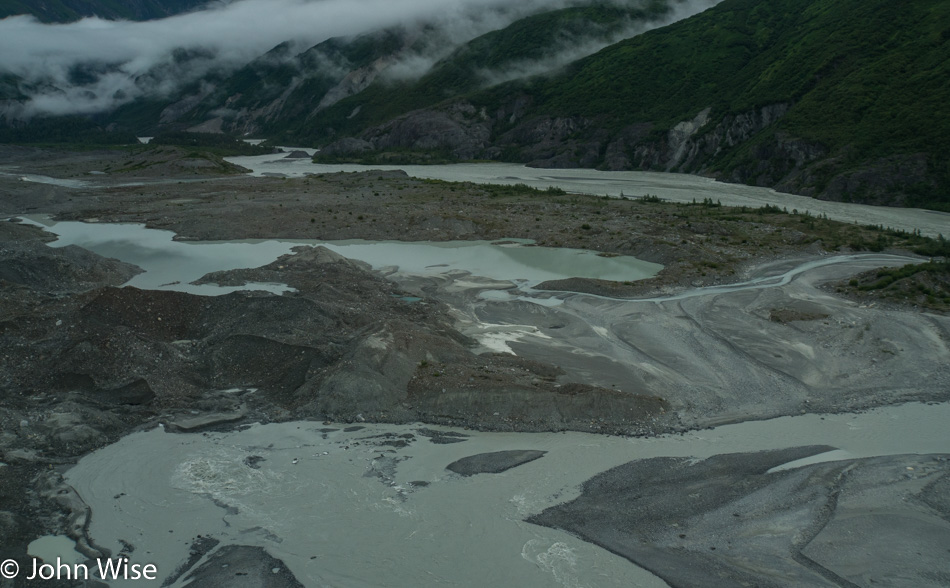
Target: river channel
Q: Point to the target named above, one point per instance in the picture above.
(344, 508)
(340, 506)
(632, 184)
(173, 265)
(341, 511)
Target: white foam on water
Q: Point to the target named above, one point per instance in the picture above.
(53, 547)
(559, 559)
(334, 522)
(496, 338)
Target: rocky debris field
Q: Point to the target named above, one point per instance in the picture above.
(137, 162)
(699, 244)
(244, 567)
(924, 285)
(86, 362)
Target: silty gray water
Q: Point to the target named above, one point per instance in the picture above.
(340, 510)
(173, 265)
(632, 184)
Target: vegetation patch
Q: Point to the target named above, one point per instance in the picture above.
(216, 143)
(63, 131)
(926, 285)
(788, 315)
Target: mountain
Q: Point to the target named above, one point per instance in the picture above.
(839, 99)
(282, 89)
(70, 10)
(290, 95)
(285, 93)
(537, 43)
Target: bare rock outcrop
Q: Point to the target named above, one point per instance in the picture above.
(459, 131)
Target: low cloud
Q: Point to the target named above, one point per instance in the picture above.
(141, 56)
(128, 60)
(578, 48)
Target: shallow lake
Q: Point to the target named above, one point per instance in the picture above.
(172, 265)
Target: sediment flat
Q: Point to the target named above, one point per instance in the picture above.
(747, 321)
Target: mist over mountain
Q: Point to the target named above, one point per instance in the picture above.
(285, 93)
(843, 100)
(94, 65)
(834, 99)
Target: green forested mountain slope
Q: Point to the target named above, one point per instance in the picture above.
(870, 74)
(470, 68)
(845, 99)
(867, 81)
(292, 97)
(839, 99)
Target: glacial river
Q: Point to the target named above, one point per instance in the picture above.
(340, 510)
(672, 187)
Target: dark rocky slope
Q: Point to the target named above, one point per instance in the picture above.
(86, 362)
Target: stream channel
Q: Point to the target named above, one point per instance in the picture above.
(344, 508)
(632, 184)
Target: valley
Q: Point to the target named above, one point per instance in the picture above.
(570, 293)
(751, 318)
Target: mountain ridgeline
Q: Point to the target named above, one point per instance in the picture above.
(290, 95)
(843, 100)
(836, 99)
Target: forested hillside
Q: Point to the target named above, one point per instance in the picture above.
(843, 99)
(837, 99)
